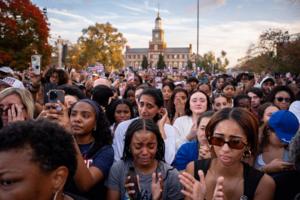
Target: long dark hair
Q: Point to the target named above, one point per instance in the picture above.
(102, 133)
(171, 106)
(148, 125)
(244, 118)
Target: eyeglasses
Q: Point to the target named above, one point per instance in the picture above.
(233, 143)
(280, 99)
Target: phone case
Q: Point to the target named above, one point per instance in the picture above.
(133, 179)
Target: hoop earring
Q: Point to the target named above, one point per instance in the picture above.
(247, 153)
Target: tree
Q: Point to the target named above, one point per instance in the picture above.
(145, 63)
(276, 51)
(161, 63)
(189, 65)
(101, 43)
(210, 63)
(24, 31)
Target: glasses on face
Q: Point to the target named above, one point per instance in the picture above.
(280, 99)
(233, 143)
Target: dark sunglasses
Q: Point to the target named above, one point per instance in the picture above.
(280, 99)
(233, 143)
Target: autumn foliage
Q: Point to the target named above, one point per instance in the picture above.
(23, 31)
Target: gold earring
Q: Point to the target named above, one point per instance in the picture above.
(247, 153)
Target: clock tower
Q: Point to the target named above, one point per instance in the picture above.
(158, 40)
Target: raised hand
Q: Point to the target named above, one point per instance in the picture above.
(193, 189)
(15, 113)
(204, 151)
(219, 189)
(156, 186)
(161, 123)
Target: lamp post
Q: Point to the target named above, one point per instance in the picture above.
(197, 30)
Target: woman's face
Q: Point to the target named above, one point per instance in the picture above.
(54, 78)
(220, 103)
(229, 130)
(205, 88)
(83, 119)
(198, 103)
(244, 103)
(130, 96)
(255, 100)
(180, 97)
(220, 83)
(282, 100)
(12, 104)
(229, 91)
(167, 92)
(21, 178)
(122, 113)
(201, 129)
(268, 112)
(147, 107)
(143, 147)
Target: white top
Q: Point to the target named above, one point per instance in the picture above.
(119, 138)
(183, 127)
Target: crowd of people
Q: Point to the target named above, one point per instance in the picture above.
(148, 134)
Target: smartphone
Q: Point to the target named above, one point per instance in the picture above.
(56, 95)
(36, 64)
(133, 179)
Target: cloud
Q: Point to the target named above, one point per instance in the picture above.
(66, 13)
(141, 9)
(205, 5)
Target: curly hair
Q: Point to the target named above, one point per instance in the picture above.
(279, 88)
(51, 145)
(63, 77)
(148, 125)
(110, 112)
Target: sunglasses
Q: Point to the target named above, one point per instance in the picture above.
(280, 99)
(233, 143)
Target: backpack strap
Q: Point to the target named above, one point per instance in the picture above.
(251, 180)
(201, 164)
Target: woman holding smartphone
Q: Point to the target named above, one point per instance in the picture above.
(142, 172)
(232, 134)
(90, 129)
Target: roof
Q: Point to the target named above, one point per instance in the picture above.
(137, 50)
(177, 50)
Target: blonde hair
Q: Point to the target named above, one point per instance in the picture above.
(25, 97)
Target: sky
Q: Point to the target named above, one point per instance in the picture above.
(229, 25)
